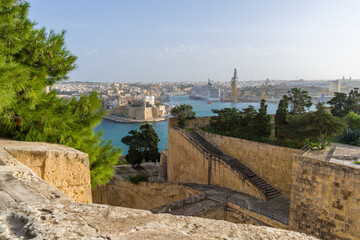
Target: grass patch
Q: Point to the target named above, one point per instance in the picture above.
(187, 129)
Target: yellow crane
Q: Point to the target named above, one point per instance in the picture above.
(263, 90)
(234, 92)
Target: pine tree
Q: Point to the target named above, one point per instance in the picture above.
(183, 113)
(30, 60)
(338, 104)
(143, 145)
(299, 100)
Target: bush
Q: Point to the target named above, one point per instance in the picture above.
(139, 177)
(350, 136)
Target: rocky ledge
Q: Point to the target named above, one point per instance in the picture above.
(31, 208)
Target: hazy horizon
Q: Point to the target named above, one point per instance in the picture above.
(157, 40)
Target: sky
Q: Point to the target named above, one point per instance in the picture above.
(193, 40)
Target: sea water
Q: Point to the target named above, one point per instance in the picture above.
(116, 131)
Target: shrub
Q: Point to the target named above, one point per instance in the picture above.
(139, 177)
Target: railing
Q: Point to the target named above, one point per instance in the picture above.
(258, 210)
(304, 149)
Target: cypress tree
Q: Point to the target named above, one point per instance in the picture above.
(263, 124)
(282, 118)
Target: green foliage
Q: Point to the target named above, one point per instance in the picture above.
(248, 123)
(282, 118)
(353, 120)
(341, 104)
(143, 145)
(139, 177)
(263, 125)
(30, 60)
(299, 100)
(350, 136)
(318, 124)
(182, 113)
(338, 104)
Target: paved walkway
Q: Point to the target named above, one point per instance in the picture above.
(277, 208)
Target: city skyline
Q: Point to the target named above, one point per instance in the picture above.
(146, 41)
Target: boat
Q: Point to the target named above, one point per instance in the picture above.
(210, 102)
(225, 100)
(194, 97)
(207, 92)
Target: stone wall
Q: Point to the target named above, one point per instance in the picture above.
(218, 213)
(163, 166)
(136, 113)
(66, 168)
(145, 195)
(325, 199)
(149, 113)
(238, 214)
(188, 163)
(31, 208)
(198, 122)
(270, 162)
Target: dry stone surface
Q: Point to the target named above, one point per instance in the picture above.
(31, 208)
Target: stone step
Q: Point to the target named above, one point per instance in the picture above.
(236, 165)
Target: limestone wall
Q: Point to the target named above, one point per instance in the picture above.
(188, 163)
(149, 113)
(163, 166)
(270, 162)
(66, 168)
(238, 214)
(198, 122)
(218, 213)
(136, 113)
(145, 195)
(325, 199)
(31, 208)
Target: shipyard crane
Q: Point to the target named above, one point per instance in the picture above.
(263, 91)
(234, 92)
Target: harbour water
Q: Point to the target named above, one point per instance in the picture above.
(116, 131)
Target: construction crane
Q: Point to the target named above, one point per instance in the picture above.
(263, 91)
(234, 92)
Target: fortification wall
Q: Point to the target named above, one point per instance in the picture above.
(270, 162)
(198, 122)
(31, 208)
(325, 199)
(145, 195)
(148, 114)
(136, 113)
(65, 168)
(188, 163)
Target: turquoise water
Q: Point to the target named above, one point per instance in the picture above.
(116, 131)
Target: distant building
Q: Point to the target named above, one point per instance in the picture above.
(335, 86)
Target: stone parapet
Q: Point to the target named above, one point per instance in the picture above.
(325, 199)
(144, 195)
(31, 208)
(66, 168)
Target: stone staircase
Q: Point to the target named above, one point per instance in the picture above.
(268, 190)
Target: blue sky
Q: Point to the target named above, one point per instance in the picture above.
(192, 40)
